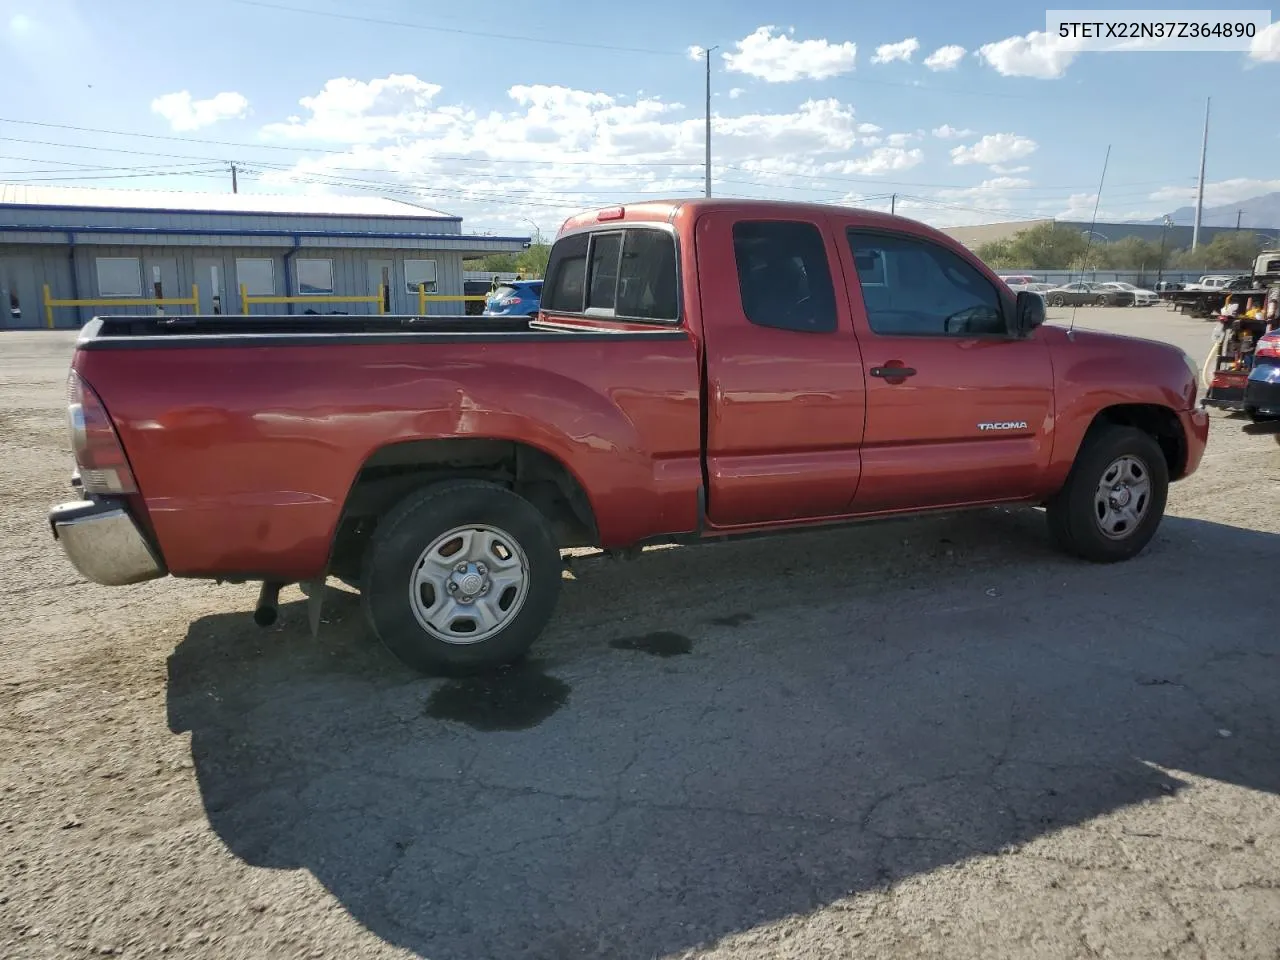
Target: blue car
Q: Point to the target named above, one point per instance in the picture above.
(519, 298)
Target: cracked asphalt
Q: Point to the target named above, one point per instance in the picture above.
(927, 738)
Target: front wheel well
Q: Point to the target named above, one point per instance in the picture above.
(1159, 422)
(393, 471)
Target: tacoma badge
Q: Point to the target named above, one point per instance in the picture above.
(1010, 425)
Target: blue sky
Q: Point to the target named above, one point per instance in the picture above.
(474, 116)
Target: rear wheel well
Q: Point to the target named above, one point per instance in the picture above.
(393, 471)
(1161, 423)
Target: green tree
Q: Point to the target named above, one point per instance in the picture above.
(533, 262)
(998, 254)
(1047, 246)
(1130, 253)
(494, 263)
(1226, 251)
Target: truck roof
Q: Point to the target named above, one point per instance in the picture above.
(666, 210)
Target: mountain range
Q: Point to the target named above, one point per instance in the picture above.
(1256, 213)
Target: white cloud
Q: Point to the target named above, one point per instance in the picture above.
(1035, 55)
(903, 50)
(1001, 168)
(777, 58)
(696, 52)
(735, 93)
(948, 132)
(1217, 193)
(1266, 45)
(356, 111)
(869, 128)
(995, 148)
(184, 113)
(901, 139)
(885, 160)
(945, 58)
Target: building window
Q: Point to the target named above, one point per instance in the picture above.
(315, 278)
(258, 277)
(119, 277)
(784, 278)
(420, 274)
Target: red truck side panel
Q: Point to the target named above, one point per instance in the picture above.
(785, 408)
(1097, 370)
(925, 444)
(245, 456)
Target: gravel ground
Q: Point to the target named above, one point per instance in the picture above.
(932, 738)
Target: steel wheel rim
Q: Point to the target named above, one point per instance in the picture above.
(469, 584)
(1123, 497)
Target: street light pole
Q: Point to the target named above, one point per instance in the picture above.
(708, 161)
(1168, 222)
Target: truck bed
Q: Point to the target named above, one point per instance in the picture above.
(138, 331)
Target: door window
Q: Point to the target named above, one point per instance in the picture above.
(784, 279)
(914, 287)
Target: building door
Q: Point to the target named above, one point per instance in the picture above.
(380, 275)
(213, 281)
(20, 302)
(160, 281)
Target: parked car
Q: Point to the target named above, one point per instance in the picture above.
(1141, 297)
(519, 298)
(1082, 294)
(1262, 390)
(475, 288)
(1163, 286)
(799, 364)
(1017, 281)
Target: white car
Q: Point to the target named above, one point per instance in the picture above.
(1141, 297)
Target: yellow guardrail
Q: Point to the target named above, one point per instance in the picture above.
(192, 301)
(437, 297)
(247, 301)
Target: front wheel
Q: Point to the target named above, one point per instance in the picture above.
(1057, 302)
(1102, 302)
(460, 577)
(1114, 497)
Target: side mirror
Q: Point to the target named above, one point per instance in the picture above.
(1029, 312)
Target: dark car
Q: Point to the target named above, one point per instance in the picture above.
(475, 288)
(1087, 295)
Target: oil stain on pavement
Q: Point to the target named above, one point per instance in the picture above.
(517, 698)
(662, 643)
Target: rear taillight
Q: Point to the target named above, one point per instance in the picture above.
(104, 469)
(1268, 348)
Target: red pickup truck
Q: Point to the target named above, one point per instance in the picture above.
(699, 369)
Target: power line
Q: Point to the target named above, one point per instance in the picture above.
(485, 34)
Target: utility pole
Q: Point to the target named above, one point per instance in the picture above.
(235, 186)
(1168, 222)
(709, 49)
(893, 205)
(1204, 149)
(1238, 213)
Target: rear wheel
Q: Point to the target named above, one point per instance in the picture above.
(1057, 302)
(1102, 301)
(460, 577)
(1114, 497)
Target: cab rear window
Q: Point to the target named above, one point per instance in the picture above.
(627, 273)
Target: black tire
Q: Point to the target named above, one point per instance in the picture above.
(1073, 520)
(1057, 302)
(1103, 302)
(408, 530)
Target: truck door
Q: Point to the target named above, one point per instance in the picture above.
(784, 381)
(958, 410)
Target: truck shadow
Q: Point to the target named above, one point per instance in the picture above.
(710, 739)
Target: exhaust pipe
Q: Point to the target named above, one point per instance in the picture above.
(268, 599)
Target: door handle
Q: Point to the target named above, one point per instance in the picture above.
(893, 373)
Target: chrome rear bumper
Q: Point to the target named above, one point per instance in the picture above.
(103, 542)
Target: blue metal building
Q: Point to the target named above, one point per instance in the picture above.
(88, 244)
